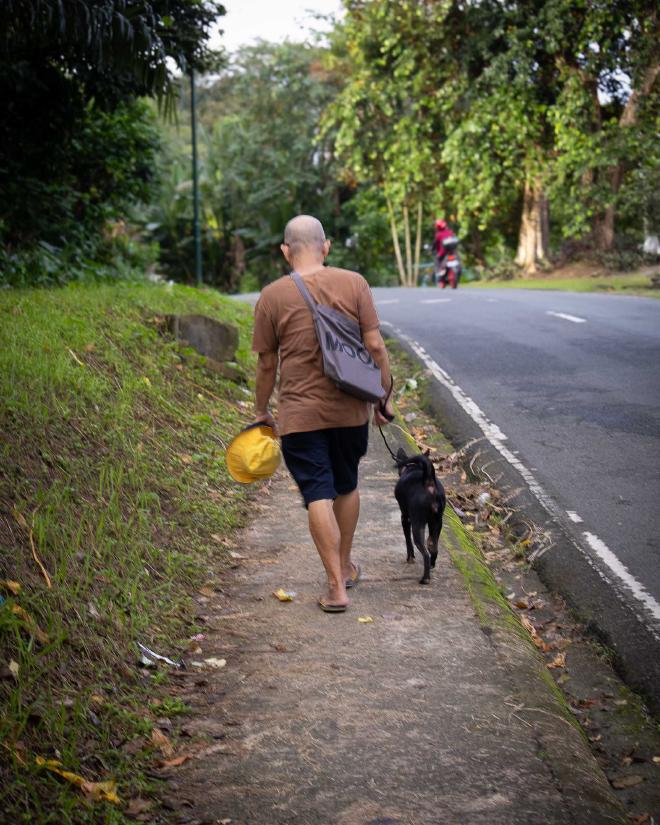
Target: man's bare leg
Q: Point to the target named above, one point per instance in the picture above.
(347, 510)
(327, 538)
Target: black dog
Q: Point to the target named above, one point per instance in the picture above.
(422, 501)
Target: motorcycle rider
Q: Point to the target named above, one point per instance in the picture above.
(442, 232)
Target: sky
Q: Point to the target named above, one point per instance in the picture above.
(248, 20)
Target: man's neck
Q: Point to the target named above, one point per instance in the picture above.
(307, 266)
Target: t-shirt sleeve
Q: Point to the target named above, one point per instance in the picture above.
(264, 337)
(366, 309)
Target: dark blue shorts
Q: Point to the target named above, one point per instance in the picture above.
(324, 463)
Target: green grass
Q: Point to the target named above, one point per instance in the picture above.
(111, 457)
(634, 284)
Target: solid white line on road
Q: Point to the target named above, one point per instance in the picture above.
(497, 438)
(638, 589)
(573, 516)
(436, 301)
(388, 301)
(573, 318)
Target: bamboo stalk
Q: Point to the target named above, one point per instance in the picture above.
(406, 235)
(395, 241)
(418, 240)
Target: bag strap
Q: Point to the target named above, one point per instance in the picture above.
(311, 303)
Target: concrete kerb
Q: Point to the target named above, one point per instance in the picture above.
(538, 701)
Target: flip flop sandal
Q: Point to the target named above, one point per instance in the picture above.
(326, 607)
(355, 576)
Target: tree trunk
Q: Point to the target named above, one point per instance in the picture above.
(406, 235)
(604, 225)
(418, 241)
(395, 242)
(534, 226)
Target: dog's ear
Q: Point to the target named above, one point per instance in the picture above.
(401, 455)
(428, 452)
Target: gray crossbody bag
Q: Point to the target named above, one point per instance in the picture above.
(346, 361)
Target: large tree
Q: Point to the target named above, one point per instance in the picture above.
(75, 146)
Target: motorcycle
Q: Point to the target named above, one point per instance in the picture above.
(449, 266)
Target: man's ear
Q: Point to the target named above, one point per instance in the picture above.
(286, 252)
(326, 248)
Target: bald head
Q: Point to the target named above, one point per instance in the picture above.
(304, 235)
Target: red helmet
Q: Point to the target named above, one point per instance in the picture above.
(440, 224)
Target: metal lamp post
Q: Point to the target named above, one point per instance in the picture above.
(196, 227)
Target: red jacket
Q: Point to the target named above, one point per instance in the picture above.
(440, 235)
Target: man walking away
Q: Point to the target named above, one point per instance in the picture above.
(324, 431)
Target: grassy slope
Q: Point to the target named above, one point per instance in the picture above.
(111, 445)
(633, 284)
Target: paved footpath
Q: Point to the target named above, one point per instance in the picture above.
(438, 711)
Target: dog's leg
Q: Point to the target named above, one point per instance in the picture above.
(418, 536)
(434, 534)
(405, 523)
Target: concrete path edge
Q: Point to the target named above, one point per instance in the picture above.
(537, 700)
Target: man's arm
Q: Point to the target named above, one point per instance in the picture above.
(375, 345)
(265, 384)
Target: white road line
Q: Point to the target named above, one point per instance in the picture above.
(638, 589)
(388, 301)
(436, 301)
(573, 318)
(573, 516)
(497, 438)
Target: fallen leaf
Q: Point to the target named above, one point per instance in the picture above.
(20, 518)
(522, 604)
(656, 759)
(207, 591)
(90, 347)
(628, 781)
(146, 380)
(365, 620)
(642, 819)
(30, 623)
(283, 595)
(174, 763)
(95, 791)
(217, 664)
(159, 740)
(137, 806)
(101, 791)
(13, 668)
(12, 586)
(97, 699)
(558, 661)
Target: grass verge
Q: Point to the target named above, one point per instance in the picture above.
(114, 501)
(634, 284)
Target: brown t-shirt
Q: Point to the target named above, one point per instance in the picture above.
(283, 323)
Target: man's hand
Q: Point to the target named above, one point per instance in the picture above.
(266, 418)
(379, 418)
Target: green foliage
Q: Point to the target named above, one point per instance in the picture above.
(77, 147)
(471, 104)
(263, 161)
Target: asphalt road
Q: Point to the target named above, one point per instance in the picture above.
(563, 391)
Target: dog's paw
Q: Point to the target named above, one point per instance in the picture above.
(425, 580)
(410, 560)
